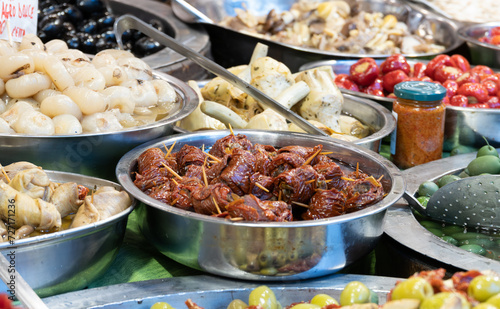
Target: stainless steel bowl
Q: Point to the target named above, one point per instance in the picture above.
(481, 53)
(221, 246)
(463, 125)
(70, 259)
(93, 154)
(166, 60)
(228, 54)
(426, 248)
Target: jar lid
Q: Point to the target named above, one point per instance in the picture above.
(420, 91)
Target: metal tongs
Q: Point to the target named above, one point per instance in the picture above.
(128, 22)
(471, 202)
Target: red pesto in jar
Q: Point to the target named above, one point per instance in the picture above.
(419, 131)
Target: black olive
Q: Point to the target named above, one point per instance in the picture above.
(68, 27)
(73, 14)
(108, 35)
(52, 27)
(87, 43)
(90, 6)
(103, 44)
(50, 9)
(45, 4)
(107, 21)
(146, 46)
(90, 27)
(73, 42)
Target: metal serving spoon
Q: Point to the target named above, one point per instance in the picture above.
(127, 22)
(472, 202)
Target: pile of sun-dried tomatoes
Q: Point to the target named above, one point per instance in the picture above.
(466, 86)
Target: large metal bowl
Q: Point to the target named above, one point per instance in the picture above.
(93, 154)
(228, 54)
(481, 53)
(463, 125)
(71, 259)
(221, 246)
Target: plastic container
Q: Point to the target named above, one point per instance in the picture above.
(420, 119)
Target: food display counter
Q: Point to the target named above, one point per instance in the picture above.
(179, 151)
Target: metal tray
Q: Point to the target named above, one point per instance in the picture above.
(209, 292)
(403, 227)
(228, 54)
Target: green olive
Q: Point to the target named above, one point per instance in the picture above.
(323, 300)
(431, 224)
(437, 301)
(477, 249)
(437, 232)
(452, 229)
(161, 305)
(487, 150)
(446, 179)
(237, 304)
(483, 242)
(450, 240)
(306, 306)
(265, 258)
(483, 287)
(461, 149)
(269, 271)
(469, 235)
(264, 297)
(494, 300)
(464, 174)
(354, 292)
(414, 287)
(423, 200)
(427, 188)
(484, 164)
(485, 306)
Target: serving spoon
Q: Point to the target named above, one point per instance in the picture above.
(128, 22)
(470, 202)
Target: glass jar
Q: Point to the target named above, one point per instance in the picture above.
(420, 113)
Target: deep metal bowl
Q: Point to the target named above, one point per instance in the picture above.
(221, 246)
(481, 53)
(426, 248)
(166, 60)
(93, 154)
(71, 259)
(228, 54)
(463, 125)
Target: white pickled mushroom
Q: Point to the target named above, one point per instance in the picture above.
(58, 105)
(15, 111)
(66, 124)
(34, 103)
(143, 92)
(27, 85)
(56, 46)
(166, 93)
(15, 64)
(119, 97)
(57, 72)
(89, 101)
(74, 60)
(270, 76)
(5, 127)
(6, 48)
(89, 77)
(42, 95)
(31, 41)
(109, 57)
(268, 120)
(35, 123)
(114, 75)
(101, 122)
(38, 57)
(136, 68)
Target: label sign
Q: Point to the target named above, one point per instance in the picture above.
(17, 18)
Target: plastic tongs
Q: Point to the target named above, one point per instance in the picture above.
(127, 22)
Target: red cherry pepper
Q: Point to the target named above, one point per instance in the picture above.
(459, 100)
(395, 62)
(493, 77)
(495, 31)
(451, 88)
(491, 86)
(459, 62)
(364, 71)
(468, 77)
(437, 61)
(376, 87)
(344, 81)
(425, 79)
(418, 70)
(393, 78)
(482, 70)
(493, 102)
(476, 93)
(444, 73)
(446, 101)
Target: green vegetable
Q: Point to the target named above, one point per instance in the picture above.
(487, 150)
(427, 188)
(469, 235)
(446, 179)
(437, 232)
(264, 297)
(461, 149)
(431, 224)
(423, 200)
(484, 164)
(483, 242)
(477, 249)
(323, 300)
(437, 301)
(355, 292)
(414, 288)
(483, 287)
(450, 240)
(453, 229)
(464, 173)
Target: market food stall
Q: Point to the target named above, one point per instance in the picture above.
(256, 148)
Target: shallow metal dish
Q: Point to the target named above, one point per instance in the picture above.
(93, 154)
(68, 260)
(228, 54)
(403, 227)
(210, 292)
(166, 60)
(463, 125)
(218, 246)
(481, 53)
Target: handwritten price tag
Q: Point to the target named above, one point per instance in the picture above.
(18, 17)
